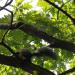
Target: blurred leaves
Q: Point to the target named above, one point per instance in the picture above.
(50, 21)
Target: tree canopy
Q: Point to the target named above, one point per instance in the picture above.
(33, 25)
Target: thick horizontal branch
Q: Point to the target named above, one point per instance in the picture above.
(55, 43)
(27, 66)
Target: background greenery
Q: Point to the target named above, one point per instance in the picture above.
(48, 19)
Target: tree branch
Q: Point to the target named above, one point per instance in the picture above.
(55, 43)
(63, 11)
(31, 30)
(27, 66)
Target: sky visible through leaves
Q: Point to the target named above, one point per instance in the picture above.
(4, 12)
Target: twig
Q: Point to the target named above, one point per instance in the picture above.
(1, 8)
(59, 8)
(5, 45)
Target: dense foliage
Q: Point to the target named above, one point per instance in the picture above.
(47, 18)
